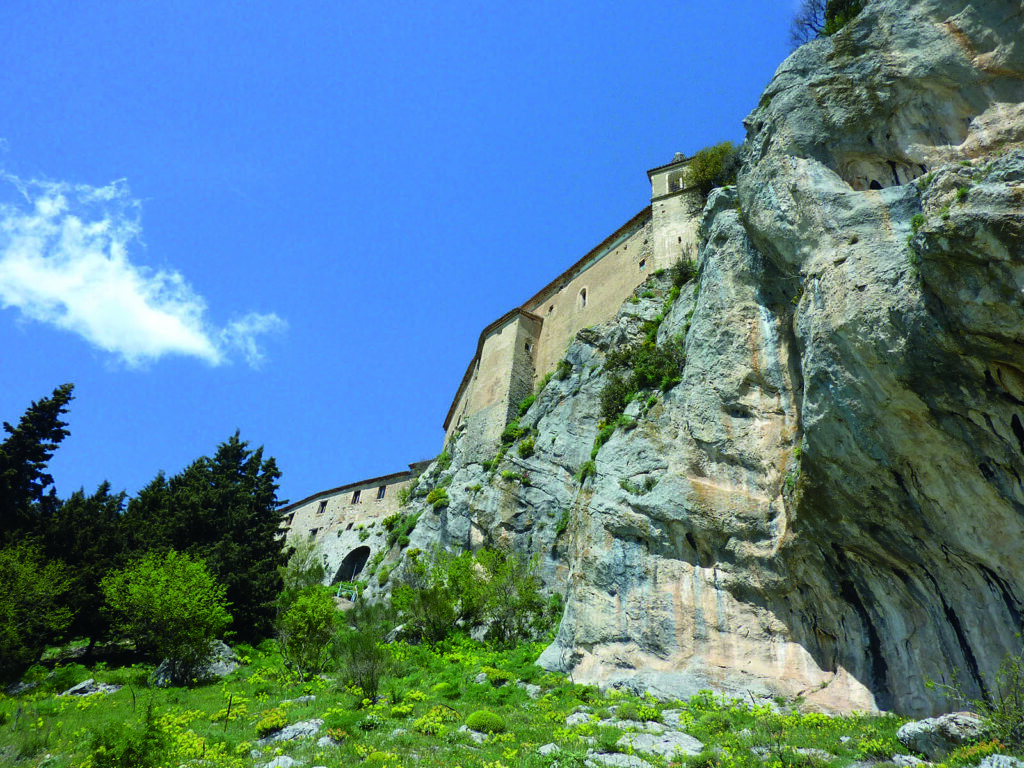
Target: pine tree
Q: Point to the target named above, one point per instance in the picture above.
(224, 510)
(85, 532)
(24, 454)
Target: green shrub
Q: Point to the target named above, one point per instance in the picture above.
(443, 460)
(120, 746)
(714, 167)
(512, 432)
(683, 271)
(563, 523)
(364, 660)
(563, 370)
(524, 406)
(526, 448)
(438, 499)
(614, 396)
(587, 469)
(838, 13)
(916, 222)
(307, 630)
(32, 608)
(961, 194)
(271, 721)
(169, 604)
(485, 722)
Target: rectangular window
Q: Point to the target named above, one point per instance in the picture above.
(312, 533)
(349, 527)
(323, 506)
(381, 491)
(355, 497)
(290, 518)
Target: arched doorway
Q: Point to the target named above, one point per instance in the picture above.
(352, 564)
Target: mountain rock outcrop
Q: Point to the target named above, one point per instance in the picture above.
(831, 501)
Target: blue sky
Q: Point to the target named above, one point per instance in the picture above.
(293, 220)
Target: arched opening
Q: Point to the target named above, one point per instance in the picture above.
(583, 298)
(352, 565)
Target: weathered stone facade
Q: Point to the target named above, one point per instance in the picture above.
(514, 352)
(345, 522)
(523, 345)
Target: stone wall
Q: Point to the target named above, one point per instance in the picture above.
(346, 518)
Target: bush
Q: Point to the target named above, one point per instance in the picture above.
(526, 448)
(485, 722)
(438, 499)
(307, 631)
(169, 604)
(817, 18)
(117, 746)
(512, 432)
(713, 167)
(365, 661)
(615, 396)
(32, 609)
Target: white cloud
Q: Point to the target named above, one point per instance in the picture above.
(65, 260)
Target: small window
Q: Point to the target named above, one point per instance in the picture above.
(381, 491)
(312, 533)
(350, 526)
(679, 239)
(583, 298)
(643, 263)
(528, 345)
(355, 497)
(322, 508)
(551, 309)
(290, 518)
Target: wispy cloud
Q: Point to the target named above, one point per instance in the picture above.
(65, 260)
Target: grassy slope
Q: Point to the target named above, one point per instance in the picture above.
(424, 702)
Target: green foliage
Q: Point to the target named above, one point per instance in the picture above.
(838, 13)
(525, 404)
(587, 469)
(526, 448)
(304, 569)
(562, 524)
(271, 721)
(1003, 708)
(817, 18)
(120, 746)
(222, 509)
(399, 526)
(563, 370)
(638, 490)
(443, 460)
(32, 608)
(365, 660)
(485, 722)
(961, 194)
(604, 434)
(513, 432)
(916, 222)
(438, 499)
(24, 454)
(682, 272)
(307, 631)
(650, 366)
(714, 166)
(615, 396)
(442, 593)
(169, 604)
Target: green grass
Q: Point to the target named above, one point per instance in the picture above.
(429, 694)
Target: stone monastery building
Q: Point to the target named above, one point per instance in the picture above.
(512, 355)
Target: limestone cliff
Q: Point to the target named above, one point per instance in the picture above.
(839, 505)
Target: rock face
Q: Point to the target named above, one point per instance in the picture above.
(831, 502)
(936, 737)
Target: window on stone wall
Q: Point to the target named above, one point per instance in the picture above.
(350, 526)
(528, 346)
(381, 491)
(290, 518)
(322, 508)
(355, 497)
(583, 298)
(643, 263)
(312, 533)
